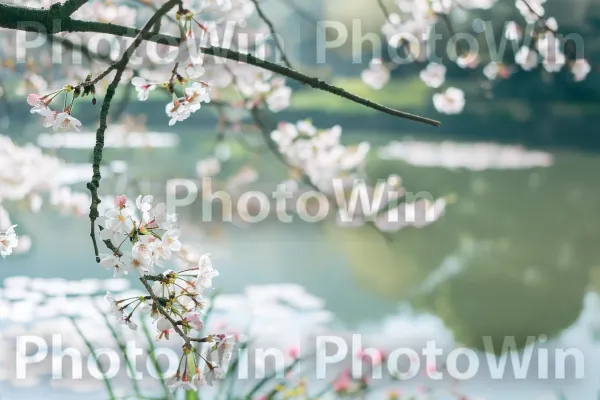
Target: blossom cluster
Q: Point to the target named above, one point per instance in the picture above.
(180, 108)
(175, 300)
(411, 28)
(318, 154)
(58, 120)
(153, 235)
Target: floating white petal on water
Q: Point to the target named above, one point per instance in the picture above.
(474, 155)
(113, 139)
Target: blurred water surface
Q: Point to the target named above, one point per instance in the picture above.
(516, 254)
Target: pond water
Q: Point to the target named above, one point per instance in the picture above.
(516, 253)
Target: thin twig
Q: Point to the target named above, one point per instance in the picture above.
(384, 10)
(187, 339)
(538, 15)
(278, 43)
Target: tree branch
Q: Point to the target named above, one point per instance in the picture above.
(278, 44)
(187, 339)
(119, 66)
(12, 17)
(70, 6)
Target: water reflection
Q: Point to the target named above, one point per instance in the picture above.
(513, 256)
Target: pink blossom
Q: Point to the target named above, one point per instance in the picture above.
(193, 320)
(120, 201)
(373, 356)
(33, 99)
(294, 351)
(343, 382)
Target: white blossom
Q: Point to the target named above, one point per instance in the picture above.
(206, 272)
(526, 58)
(108, 261)
(178, 111)
(64, 121)
(531, 10)
(433, 75)
(208, 167)
(8, 241)
(143, 87)
(196, 94)
(279, 99)
(452, 101)
(377, 75)
(512, 31)
(580, 69)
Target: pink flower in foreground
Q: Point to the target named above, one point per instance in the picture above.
(294, 351)
(33, 99)
(120, 201)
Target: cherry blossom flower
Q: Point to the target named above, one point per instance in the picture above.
(512, 31)
(173, 383)
(144, 204)
(120, 202)
(377, 75)
(64, 121)
(469, 60)
(108, 261)
(306, 127)
(279, 99)
(494, 70)
(164, 327)
(129, 323)
(284, 135)
(162, 218)
(531, 10)
(171, 239)
(580, 69)
(39, 106)
(452, 101)
(194, 70)
(193, 320)
(441, 6)
(208, 167)
(178, 111)
(526, 58)
(119, 220)
(144, 247)
(548, 44)
(137, 262)
(206, 272)
(143, 87)
(433, 75)
(552, 24)
(197, 94)
(8, 241)
(214, 373)
(115, 309)
(554, 61)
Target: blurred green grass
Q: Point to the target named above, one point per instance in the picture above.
(405, 93)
